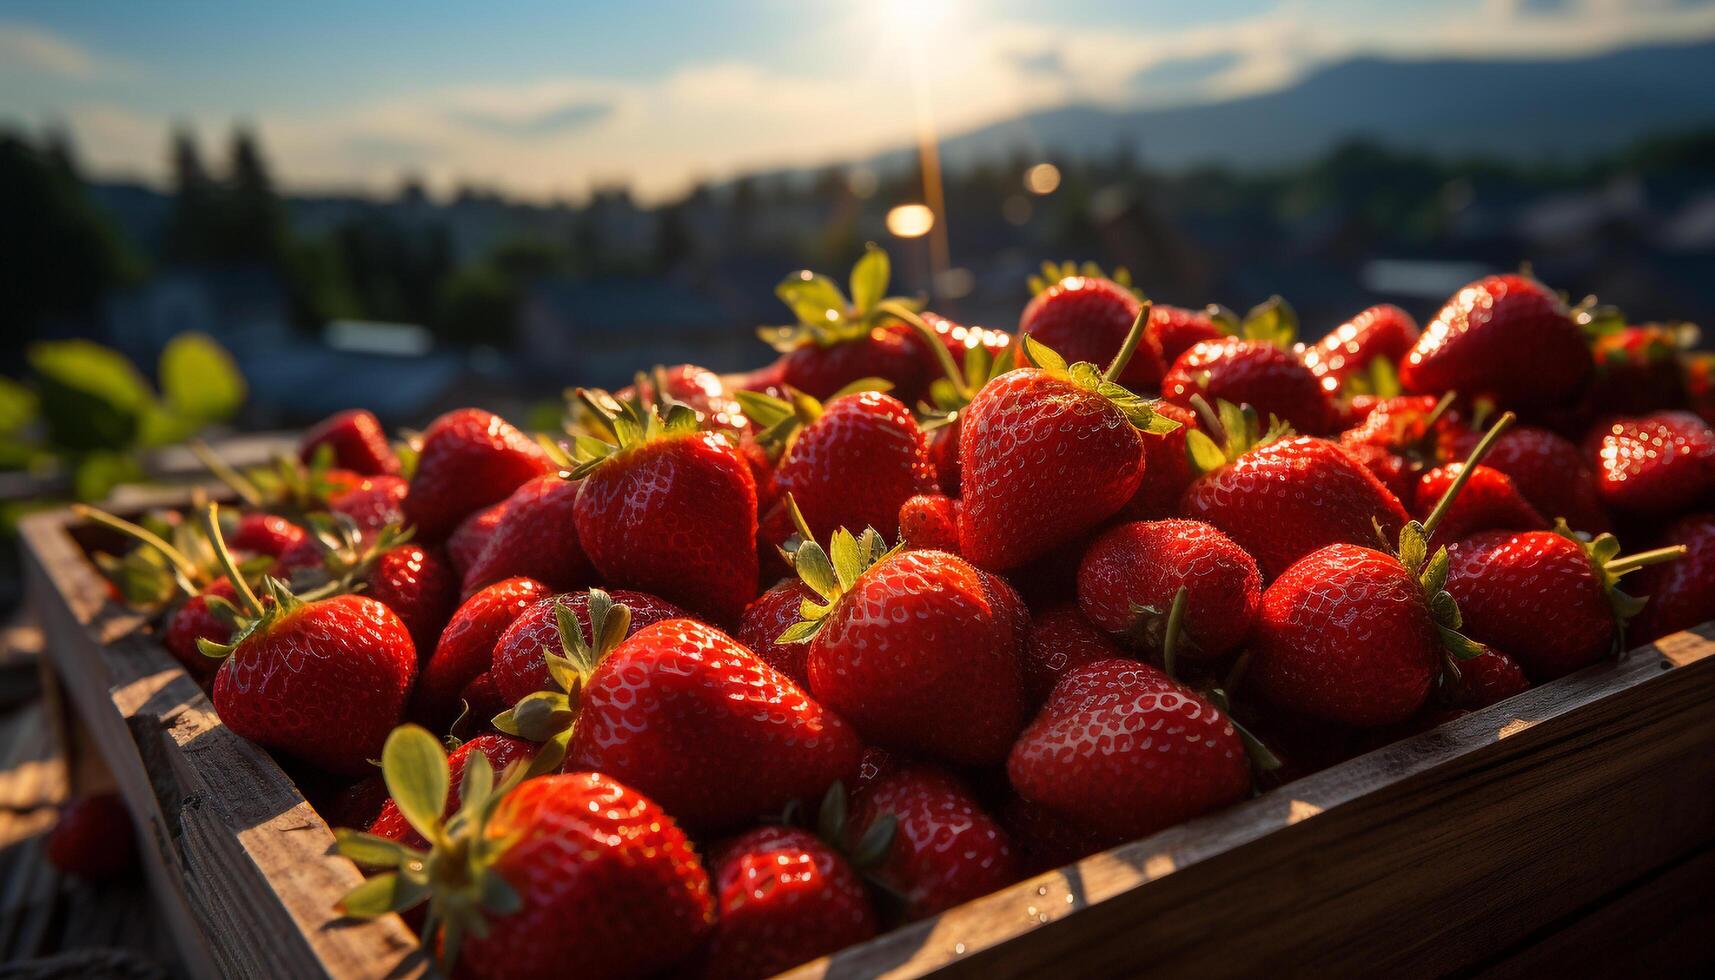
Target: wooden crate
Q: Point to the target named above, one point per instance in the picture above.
(1547, 830)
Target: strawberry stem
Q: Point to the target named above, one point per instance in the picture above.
(1170, 639)
(225, 473)
(1482, 448)
(1642, 559)
(211, 526)
(1132, 338)
(182, 566)
(927, 334)
(1211, 419)
(1439, 410)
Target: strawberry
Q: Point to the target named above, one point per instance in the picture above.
(197, 620)
(702, 725)
(1682, 593)
(465, 649)
(535, 537)
(1398, 437)
(1382, 332)
(1488, 502)
(1656, 465)
(1250, 372)
(1548, 469)
(1177, 329)
(356, 805)
(500, 750)
(1167, 469)
(784, 897)
(1478, 343)
(1132, 572)
(1489, 678)
(1087, 318)
(946, 848)
(837, 341)
(355, 441)
(691, 385)
(1085, 457)
(418, 585)
(1124, 750)
(771, 614)
(917, 649)
(518, 667)
(469, 459)
(321, 681)
(264, 534)
(1548, 599)
(1047, 840)
(1639, 369)
(1060, 639)
(1279, 497)
(464, 546)
(374, 503)
(930, 521)
(521, 879)
(1358, 637)
(93, 839)
(669, 509)
(959, 340)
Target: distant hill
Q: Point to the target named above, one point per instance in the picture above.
(1505, 109)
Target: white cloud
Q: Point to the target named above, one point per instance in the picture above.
(30, 48)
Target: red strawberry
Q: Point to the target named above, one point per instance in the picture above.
(265, 534)
(959, 340)
(93, 839)
(892, 352)
(1398, 437)
(784, 898)
(1123, 749)
(1657, 465)
(769, 615)
(1489, 501)
(518, 667)
(1489, 678)
(356, 442)
(357, 805)
(1167, 469)
(469, 459)
(1086, 318)
(1550, 601)
(466, 542)
(419, 586)
(944, 457)
(1639, 369)
(1382, 331)
(466, 647)
(1060, 639)
(716, 735)
(695, 386)
(1178, 329)
(376, 502)
(1251, 372)
(670, 510)
(520, 889)
(1062, 444)
(837, 341)
(1682, 593)
(1550, 472)
(930, 521)
(917, 649)
(1284, 499)
(1479, 343)
(1130, 575)
(1049, 840)
(500, 750)
(946, 849)
(535, 537)
(196, 620)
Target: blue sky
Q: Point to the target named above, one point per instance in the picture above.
(548, 98)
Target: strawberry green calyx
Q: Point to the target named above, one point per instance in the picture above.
(456, 874)
(867, 853)
(829, 573)
(251, 617)
(1232, 431)
(1261, 757)
(1603, 551)
(290, 486)
(172, 561)
(779, 419)
(825, 315)
(1272, 321)
(348, 555)
(1378, 379)
(630, 423)
(549, 716)
(1136, 408)
(1053, 273)
(949, 394)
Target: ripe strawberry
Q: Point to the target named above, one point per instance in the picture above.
(375, 503)
(356, 805)
(695, 386)
(930, 521)
(917, 649)
(769, 615)
(783, 898)
(500, 751)
(1178, 329)
(1489, 678)
(522, 878)
(1085, 457)
(1657, 465)
(1639, 369)
(535, 537)
(1167, 469)
(465, 649)
(1251, 372)
(1131, 574)
(418, 585)
(264, 534)
(1397, 438)
(469, 459)
(1488, 502)
(197, 620)
(946, 848)
(93, 839)
(1282, 499)
(837, 341)
(1060, 639)
(466, 542)
(685, 713)
(960, 340)
(890, 351)
(355, 441)
(1383, 331)
(1086, 318)
(1478, 343)
(1682, 593)
(670, 509)
(1124, 750)
(1549, 600)
(1549, 470)
(518, 668)
(1047, 840)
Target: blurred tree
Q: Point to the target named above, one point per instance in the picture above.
(478, 304)
(253, 224)
(191, 231)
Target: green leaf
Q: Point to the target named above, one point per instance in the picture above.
(415, 769)
(1434, 577)
(1205, 456)
(1413, 547)
(18, 406)
(1460, 647)
(549, 756)
(814, 299)
(498, 896)
(831, 820)
(799, 632)
(384, 893)
(1445, 610)
(538, 716)
(565, 674)
(764, 409)
(371, 851)
(614, 628)
(1272, 322)
(847, 561)
(199, 379)
(478, 779)
(871, 849)
(1042, 355)
(91, 397)
(817, 571)
(869, 279)
(862, 385)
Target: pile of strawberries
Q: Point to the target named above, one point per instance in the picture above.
(735, 673)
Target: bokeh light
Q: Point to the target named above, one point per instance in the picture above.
(910, 220)
(1043, 178)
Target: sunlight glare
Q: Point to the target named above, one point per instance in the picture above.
(910, 220)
